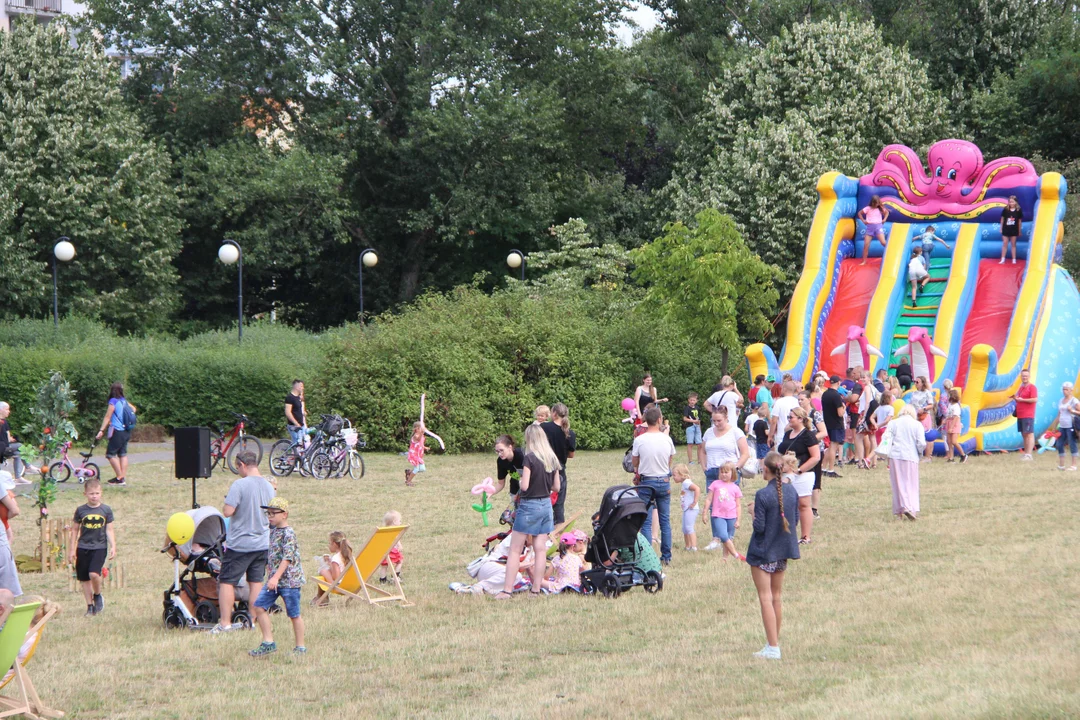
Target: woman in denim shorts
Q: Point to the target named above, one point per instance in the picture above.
(534, 519)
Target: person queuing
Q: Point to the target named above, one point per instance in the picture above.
(653, 453)
(832, 413)
(722, 443)
(922, 399)
(780, 411)
(801, 439)
(773, 542)
(729, 396)
(815, 424)
(907, 440)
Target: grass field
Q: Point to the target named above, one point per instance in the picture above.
(973, 611)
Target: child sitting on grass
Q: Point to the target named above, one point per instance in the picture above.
(392, 519)
(91, 539)
(568, 563)
(283, 559)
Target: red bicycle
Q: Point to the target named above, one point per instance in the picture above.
(62, 469)
(225, 445)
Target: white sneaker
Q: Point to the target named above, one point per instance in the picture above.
(219, 629)
(1001, 261)
(713, 545)
(768, 653)
(1061, 467)
(694, 549)
(1014, 261)
(1026, 457)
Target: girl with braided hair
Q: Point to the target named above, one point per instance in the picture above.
(776, 515)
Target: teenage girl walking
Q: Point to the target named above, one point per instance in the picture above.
(953, 427)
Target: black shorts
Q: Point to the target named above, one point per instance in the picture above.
(89, 561)
(836, 435)
(236, 565)
(118, 443)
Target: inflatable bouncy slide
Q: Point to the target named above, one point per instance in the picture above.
(977, 322)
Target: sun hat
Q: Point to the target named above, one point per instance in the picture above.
(1066, 385)
(568, 538)
(278, 503)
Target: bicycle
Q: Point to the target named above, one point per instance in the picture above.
(62, 470)
(340, 455)
(225, 445)
(287, 456)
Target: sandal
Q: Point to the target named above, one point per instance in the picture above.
(503, 595)
(534, 594)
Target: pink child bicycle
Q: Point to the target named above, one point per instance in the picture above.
(63, 469)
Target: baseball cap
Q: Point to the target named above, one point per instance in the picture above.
(770, 378)
(278, 503)
(1066, 385)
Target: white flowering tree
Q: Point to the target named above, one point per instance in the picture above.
(824, 96)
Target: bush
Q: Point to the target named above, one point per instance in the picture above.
(173, 383)
(486, 361)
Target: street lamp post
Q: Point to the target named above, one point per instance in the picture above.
(230, 253)
(368, 258)
(516, 259)
(63, 251)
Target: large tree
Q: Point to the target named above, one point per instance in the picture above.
(465, 128)
(74, 162)
(825, 96)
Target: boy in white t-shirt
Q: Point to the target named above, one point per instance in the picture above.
(917, 271)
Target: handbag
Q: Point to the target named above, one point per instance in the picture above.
(885, 445)
(628, 460)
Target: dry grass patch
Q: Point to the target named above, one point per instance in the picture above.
(972, 611)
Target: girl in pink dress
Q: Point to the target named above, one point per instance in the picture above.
(569, 563)
(416, 453)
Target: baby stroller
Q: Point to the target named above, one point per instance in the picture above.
(621, 558)
(192, 600)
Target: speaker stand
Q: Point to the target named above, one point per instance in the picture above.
(194, 502)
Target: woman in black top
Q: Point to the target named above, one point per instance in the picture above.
(510, 463)
(801, 439)
(539, 479)
(646, 394)
(564, 442)
(1012, 218)
(771, 546)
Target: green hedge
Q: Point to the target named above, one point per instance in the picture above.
(486, 361)
(172, 383)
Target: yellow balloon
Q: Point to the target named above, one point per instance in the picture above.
(180, 528)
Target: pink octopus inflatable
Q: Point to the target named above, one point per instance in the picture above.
(958, 182)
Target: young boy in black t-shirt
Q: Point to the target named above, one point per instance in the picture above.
(691, 422)
(91, 538)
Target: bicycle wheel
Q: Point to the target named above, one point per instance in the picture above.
(245, 443)
(59, 471)
(322, 464)
(356, 465)
(90, 470)
(284, 458)
(216, 455)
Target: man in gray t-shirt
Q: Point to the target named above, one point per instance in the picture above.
(247, 538)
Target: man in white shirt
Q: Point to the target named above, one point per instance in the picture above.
(783, 405)
(652, 455)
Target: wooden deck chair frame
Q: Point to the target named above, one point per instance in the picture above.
(375, 550)
(29, 704)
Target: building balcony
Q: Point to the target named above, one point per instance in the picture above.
(34, 7)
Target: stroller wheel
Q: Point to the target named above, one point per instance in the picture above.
(587, 588)
(653, 582)
(172, 619)
(206, 613)
(241, 618)
(611, 588)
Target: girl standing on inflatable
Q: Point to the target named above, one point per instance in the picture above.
(873, 216)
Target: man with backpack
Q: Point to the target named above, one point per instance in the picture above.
(119, 422)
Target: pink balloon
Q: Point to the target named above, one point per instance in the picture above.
(628, 404)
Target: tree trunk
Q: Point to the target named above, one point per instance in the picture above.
(414, 256)
(723, 361)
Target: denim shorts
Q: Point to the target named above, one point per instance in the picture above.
(723, 528)
(290, 596)
(534, 516)
(693, 435)
(1025, 425)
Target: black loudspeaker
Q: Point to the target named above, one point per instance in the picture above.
(192, 452)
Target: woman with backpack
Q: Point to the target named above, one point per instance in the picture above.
(119, 420)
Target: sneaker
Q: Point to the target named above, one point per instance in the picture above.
(816, 515)
(768, 653)
(265, 648)
(90, 611)
(713, 545)
(1014, 261)
(23, 481)
(1001, 261)
(963, 459)
(910, 515)
(1071, 468)
(220, 629)
(1026, 457)
(1061, 467)
(694, 549)
(457, 587)
(99, 603)
(666, 563)
(117, 482)
(299, 650)
(383, 580)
